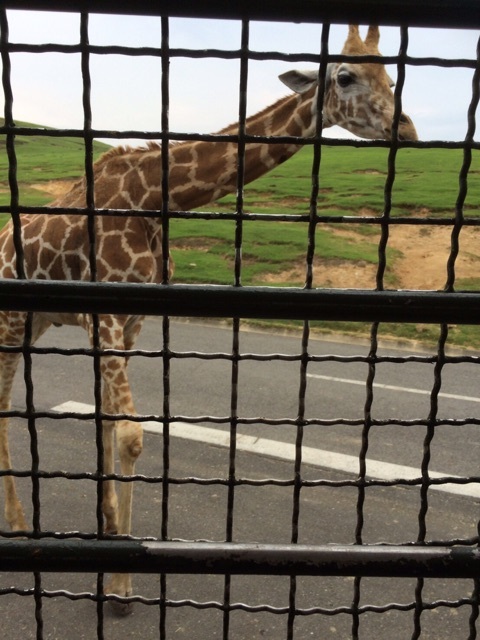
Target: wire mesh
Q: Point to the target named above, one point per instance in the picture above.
(293, 497)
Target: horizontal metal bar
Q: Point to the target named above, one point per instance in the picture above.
(463, 14)
(85, 556)
(242, 302)
(177, 136)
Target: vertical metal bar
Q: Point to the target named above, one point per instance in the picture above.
(165, 143)
(397, 94)
(91, 224)
(317, 155)
(166, 467)
(165, 81)
(362, 473)
(422, 515)
(91, 229)
(298, 482)
(88, 142)
(165, 36)
(292, 599)
(431, 422)
(37, 576)
(367, 423)
(32, 430)
(392, 154)
(417, 612)
(242, 116)
(231, 468)
(35, 463)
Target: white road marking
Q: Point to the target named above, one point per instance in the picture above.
(285, 451)
(390, 387)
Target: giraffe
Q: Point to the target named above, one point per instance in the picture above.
(357, 96)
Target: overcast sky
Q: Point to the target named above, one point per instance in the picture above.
(204, 93)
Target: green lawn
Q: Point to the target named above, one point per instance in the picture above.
(41, 159)
(354, 179)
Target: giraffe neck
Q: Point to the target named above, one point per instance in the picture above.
(201, 172)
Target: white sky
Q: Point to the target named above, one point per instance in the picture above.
(204, 93)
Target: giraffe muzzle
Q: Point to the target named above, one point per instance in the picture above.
(406, 128)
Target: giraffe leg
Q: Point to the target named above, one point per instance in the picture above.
(129, 443)
(12, 326)
(129, 436)
(117, 398)
(109, 498)
(14, 513)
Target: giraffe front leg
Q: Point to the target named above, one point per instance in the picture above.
(118, 332)
(14, 513)
(130, 443)
(109, 498)
(12, 328)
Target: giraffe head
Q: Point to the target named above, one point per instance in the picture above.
(358, 97)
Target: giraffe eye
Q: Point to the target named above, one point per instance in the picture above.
(345, 79)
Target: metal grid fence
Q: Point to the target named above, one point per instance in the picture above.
(307, 578)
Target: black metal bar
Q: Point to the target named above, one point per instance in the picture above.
(464, 14)
(243, 302)
(87, 556)
(176, 136)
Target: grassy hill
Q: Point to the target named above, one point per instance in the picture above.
(41, 159)
(352, 184)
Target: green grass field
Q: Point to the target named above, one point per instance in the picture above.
(354, 179)
(352, 183)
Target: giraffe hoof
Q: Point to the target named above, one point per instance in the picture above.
(121, 609)
(111, 532)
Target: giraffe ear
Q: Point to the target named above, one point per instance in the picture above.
(372, 39)
(299, 81)
(354, 45)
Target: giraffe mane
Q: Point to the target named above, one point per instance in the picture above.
(233, 128)
(153, 145)
(125, 149)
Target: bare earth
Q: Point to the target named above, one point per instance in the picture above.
(55, 188)
(421, 262)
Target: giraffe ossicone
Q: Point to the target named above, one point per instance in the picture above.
(358, 97)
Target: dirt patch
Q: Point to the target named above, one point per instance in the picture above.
(419, 262)
(194, 244)
(55, 188)
(425, 252)
(341, 274)
(371, 172)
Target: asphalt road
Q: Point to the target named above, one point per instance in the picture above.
(263, 513)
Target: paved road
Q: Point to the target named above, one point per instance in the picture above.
(270, 389)
(262, 513)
